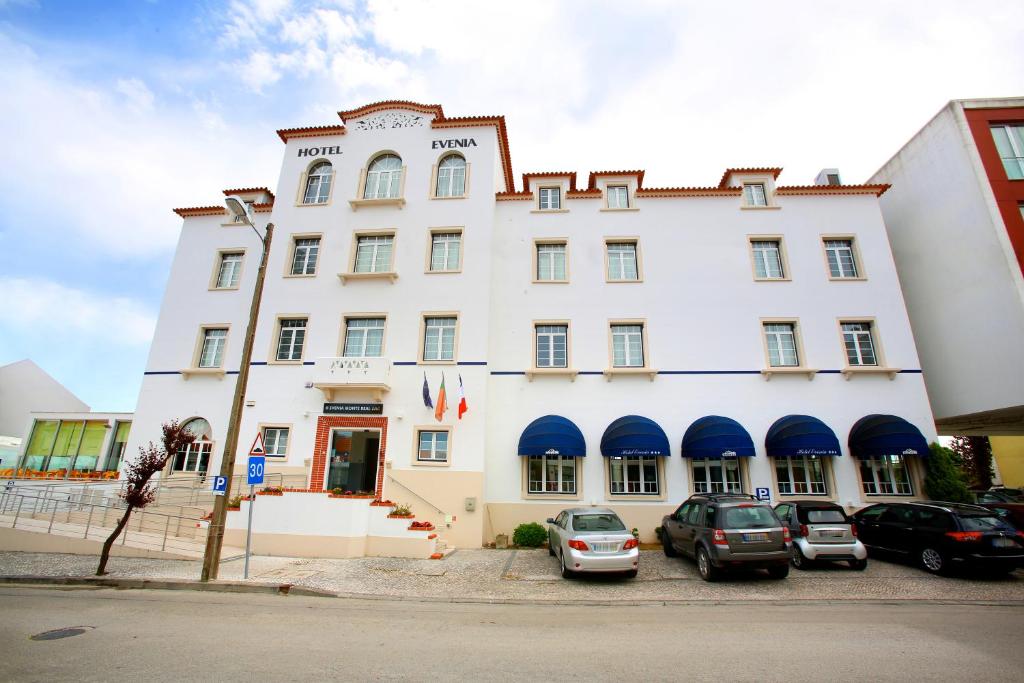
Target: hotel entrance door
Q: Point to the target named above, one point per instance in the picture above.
(353, 460)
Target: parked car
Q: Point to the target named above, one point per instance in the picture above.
(592, 540)
(939, 536)
(1003, 504)
(727, 531)
(821, 532)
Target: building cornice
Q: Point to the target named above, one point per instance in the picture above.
(309, 132)
(188, 212)
(730, 172)
(659, 192)
(594, 175)
(571, 175)
(877, 189)
(249, 190)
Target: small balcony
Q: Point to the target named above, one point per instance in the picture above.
(333, 376)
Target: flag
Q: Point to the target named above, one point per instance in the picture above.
(442, 402)
(426, 393)
(462, 399)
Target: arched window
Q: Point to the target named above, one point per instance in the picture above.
(451, 177)
(384, 178)
(318, 183)
(196, 456)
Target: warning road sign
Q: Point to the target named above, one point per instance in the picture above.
(257, 445)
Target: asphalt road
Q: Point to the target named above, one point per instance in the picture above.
(172, 635)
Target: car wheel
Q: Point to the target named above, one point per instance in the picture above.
(566, 572)
(798, 559)
(707, 571)
(666, 544)
(631, 574)
(859, 565)
(932, 561)
(779, 572)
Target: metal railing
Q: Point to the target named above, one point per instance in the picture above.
(418, 495)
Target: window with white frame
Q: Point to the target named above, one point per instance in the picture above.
(364, 337)
(305, 252)
(781, 341)
(885, 476)
(229, 270)
(717, 476)
(439, 338)
(291, 336)
(451, 177)
(318, 184)
(212, 353)
(801, 474)
(841, 260)
(551, 261)
(631, 474)
(754, 194)
(1009, 141)
(618, 196)
(551, 474)
(859, 343)
(373, 253)
(275, 441)
(552, 346)
(627, 346)
(384, 178)
(767, 259)
(195, 457)
(622, 264)
(433, 446)
(445, 251)
(550, 198)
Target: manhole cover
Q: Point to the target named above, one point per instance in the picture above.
(58, 633)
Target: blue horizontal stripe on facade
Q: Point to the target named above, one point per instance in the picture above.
(523, 372)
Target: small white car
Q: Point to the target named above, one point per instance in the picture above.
(822, 532)
(592, 540)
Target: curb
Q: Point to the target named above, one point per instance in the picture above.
(168, 584)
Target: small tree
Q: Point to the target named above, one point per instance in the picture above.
(944, 480)
(137, 492)
(974, 457)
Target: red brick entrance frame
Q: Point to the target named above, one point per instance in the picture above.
(324, 425)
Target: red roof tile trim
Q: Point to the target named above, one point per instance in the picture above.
(877, 190)
(733, 171)
(309, 132)
(655, 192)
(263, 208)
(373, 107)
(201, 211)
(247, 190)
(584, 194)
(513, 196)
(594, 175)
(571, 175)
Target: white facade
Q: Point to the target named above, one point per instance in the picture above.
(696, 296)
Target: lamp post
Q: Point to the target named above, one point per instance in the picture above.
(215, 537)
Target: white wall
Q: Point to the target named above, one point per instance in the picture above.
(25, 387)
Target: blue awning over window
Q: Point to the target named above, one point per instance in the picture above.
(795, 436)
(876, 435)
(552, 435)
(715, 437)
(634, 435)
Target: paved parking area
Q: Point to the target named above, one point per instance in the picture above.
(531, 575)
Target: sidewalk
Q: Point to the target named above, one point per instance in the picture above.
(532, 576)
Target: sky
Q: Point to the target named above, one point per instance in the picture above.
(115, 112)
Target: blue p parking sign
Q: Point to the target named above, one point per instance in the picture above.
(257, 463)
(220, 485)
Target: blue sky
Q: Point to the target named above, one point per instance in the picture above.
(116, 112)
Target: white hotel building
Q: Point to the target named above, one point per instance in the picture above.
(618, 344)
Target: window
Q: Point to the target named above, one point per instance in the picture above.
(622, 261)
(633, 475)
(195, 457)
(550, 198)
(364, 337)
(290, 339)
(841, 261)
(885, 476)
(433, 446)
(627, 346)
(318, 184)
(859, 343)
(373, 253)
(832, 178)
(275, 441)
(451, 177)
(384, 178)
(551, 474)
(801, 475)
(117, 446)
(754, 195)
(716, 476)
(551, 262)
(229, 270)
(445, 252)
(305, 251)
(552, 346)
(781, 340)
(439, 339)
(1010, 145)
(767, 259)
(618, 197)
(212, 353)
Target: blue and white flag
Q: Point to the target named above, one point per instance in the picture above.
(426, 393)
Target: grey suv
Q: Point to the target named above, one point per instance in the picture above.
(727, 531)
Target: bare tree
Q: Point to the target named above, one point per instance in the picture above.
(137, 492)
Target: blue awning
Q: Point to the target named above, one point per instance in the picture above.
(715, 437)
(876, 435)
(552, 435)
(798, 435)
(634, 435)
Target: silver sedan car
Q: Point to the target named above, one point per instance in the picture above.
(592, 540)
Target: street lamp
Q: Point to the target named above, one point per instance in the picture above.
(215, 538)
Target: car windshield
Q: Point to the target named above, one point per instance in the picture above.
(748, 517)
(597, 522)
(827, 516)
(979, 523)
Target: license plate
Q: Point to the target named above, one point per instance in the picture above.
(830, 534)
(605, 547)
(755, 538)
(1003, 543)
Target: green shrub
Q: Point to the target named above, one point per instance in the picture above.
(530, 535)
(402, 510)
(944, 481)
(658, 531)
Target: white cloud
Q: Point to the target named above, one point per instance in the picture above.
(137, 94)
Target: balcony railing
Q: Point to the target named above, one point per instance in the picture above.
(334, 375)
